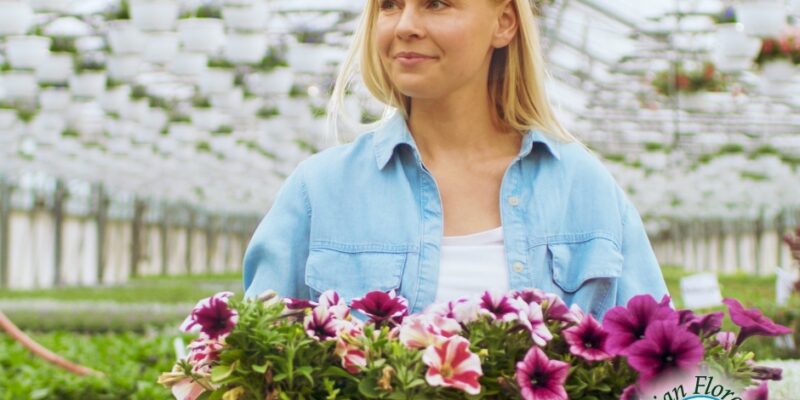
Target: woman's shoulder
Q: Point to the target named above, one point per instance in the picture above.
(586, 174)
(341, 159)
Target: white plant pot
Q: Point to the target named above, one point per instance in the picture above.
(794, 7)
(224, 144)
(8, 118)
(15, 17)
(136, 110)
(309, 58)
(733, 42)
(156, 119)
(247, 17)
(778, 71)
(124, 67)
(202, 35)
(116, 99)
(762, 17)
(216, 80)
(162, 47)
(691, 101)
(245, 48)
(207, 119)
(88, 85)
(55, 100)
(57, 67)
(46, 127)
(20, 85)
(57, 6)
(125, 38)
(189, 64)
(276, 82)
(154, 15)
(229, 101)
(294, 108)
(183, 132)
(27, 51)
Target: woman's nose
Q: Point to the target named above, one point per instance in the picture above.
(409, 26)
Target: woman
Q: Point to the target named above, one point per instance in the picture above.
(473, 126)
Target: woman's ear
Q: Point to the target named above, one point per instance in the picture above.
(506, 25)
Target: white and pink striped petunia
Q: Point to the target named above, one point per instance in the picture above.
(451, 364)
(422, 330)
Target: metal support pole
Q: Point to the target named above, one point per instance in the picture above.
(163, 232)
(139, 207)
(5, 209)
(101, 217)
(189, 242)
(58, 235)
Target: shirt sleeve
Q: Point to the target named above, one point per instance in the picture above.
(276, 255)
(641, 273)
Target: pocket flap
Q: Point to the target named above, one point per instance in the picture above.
(575, 263)
(353, 274)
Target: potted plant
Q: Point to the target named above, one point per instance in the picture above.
(271, 77)
(124, 67)
(15, 17)
(218, 78)
(204, 116)
(691, 86)
(89, 80)
(201, 34)
(248, 16)
(245, 47)
(309, 54)
(123, 36)
(762, 18)
(778, 57)
(161, 48)
(189, 64)
(57, 67)
(154, 15)
(27, 52)
(116, 97)
(19, 84)
(734, 50)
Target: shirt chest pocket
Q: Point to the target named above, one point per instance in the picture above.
(352, 271)
(586, 270)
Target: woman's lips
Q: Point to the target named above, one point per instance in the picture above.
(411, 59)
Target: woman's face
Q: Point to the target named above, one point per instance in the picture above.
(431, 48)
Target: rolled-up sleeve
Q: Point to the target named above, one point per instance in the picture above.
(641, 273)
(277, 253)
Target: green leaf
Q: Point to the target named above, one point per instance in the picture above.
(222, 372)
(260, 368)
(368, 388)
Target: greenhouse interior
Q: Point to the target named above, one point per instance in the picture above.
(142, 141)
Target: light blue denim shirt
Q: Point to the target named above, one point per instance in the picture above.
(368, 216)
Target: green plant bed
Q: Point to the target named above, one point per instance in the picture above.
(131, 363)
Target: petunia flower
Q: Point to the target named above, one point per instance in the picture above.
(630, 393)
(752, 322)
(588, 340)
(627, 325)
(761, 392)
(666, 348)
(382, 307)
(351, 350)
(213, 317)
(451, 364)
(499, 307)
(532, 295)
(706, 325)
(422, 330)
(462, 310)
(324, 323)
(532, 318)
(202, 353)
(540, 378)
(556, 310)
(298, 304)
(726, 339)
(187, 389)
(767, 373)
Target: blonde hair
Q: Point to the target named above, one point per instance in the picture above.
(516, 78)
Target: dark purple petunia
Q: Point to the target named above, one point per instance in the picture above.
(213, 316)
(757, 393)
(324, 323)
(627, 325)
(540, 378)
(298, 304)
(382, 307)
(706, 325)
(767, 373)
(752, 322)
(685, 316)
(588, 340)
(499, 307)
(529, 295)
(666, 348)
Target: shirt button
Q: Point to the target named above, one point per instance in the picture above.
(513, 200)
(518, 267)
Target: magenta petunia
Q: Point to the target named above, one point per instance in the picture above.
(499, 307)
(540, 378)
(627, 325)
(451, 364)
(213, 317)
(666, 348)
(324, 323)
(630, 393)
(588, 340)
(761, 392)
(556, 310)
(298, 304)
(529, 295)
(382, 307)
(752, 322)
(706, 325)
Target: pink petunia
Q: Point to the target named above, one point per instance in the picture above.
(556, 310)
(627, 325)
(726, 339)
(451, 364)
(212, 316)
(532, 295)
(462, 310)
(666, 348)
(382, 307)
(532, 318)
(588, 340)
(752, 322)
(351, 350)
(541, 378)
(187, 389)
(761, 392)
(423, 330)
(324, 323)
(499, 307)
(202, 353)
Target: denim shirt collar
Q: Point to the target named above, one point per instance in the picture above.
(394, 132)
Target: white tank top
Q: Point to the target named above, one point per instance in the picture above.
(471, 264)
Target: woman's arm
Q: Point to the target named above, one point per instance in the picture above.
(276, 256)
(641, 273)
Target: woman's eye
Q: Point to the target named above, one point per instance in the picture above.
(437, 4)
(387, 5)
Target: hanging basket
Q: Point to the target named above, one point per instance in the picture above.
(762, 18)
(154, 15)
(15, 17)
(202, 35)
(778, 71)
